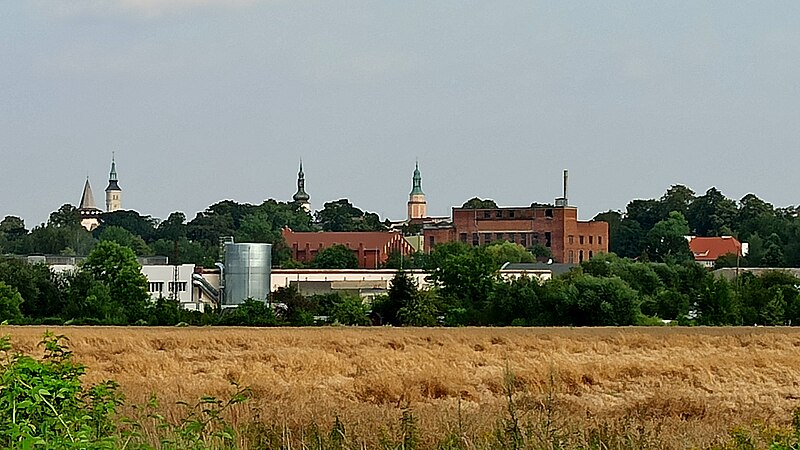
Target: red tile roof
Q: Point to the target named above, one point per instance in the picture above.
(711, 248)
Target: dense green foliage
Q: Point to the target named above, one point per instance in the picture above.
(773, 233)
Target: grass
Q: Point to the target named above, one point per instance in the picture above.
(525, 387)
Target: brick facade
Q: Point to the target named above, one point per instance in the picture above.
(372, 248)
(557, 228)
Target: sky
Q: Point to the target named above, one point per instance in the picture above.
(206, 100)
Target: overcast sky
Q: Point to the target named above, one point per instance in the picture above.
(205, 100)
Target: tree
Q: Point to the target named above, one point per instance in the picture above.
(66, 216)
(136, 224)
(116, 268)
(508, 252)
(296, 309)
(125, 238)
(402, 291)
(174, 228)
(419, 311)
(709, 214)
(36, 283)
(630, 240)
(667, 239)
(477, 203)
(466, 276)
(677, 198)
(646, 212)
(341, 215)
(13, 227)
(335, 257)
(349, 309)
(602, 301)
(10, 301)
(251, 313)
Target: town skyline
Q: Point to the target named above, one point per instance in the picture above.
(207, 100)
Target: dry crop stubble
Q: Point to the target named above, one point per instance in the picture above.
(687, 386)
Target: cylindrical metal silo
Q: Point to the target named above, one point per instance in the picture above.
(247, 272)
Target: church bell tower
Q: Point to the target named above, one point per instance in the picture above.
(417, 205)
(113, 191)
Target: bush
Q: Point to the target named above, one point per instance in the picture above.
(44, 404)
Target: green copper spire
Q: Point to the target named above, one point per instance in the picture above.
(301, 196)
(417, 188)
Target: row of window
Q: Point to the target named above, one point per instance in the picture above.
(523, 239)
(509, 213)
(571, 256)
(158, 286)
(571, 239)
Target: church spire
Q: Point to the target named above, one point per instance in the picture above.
(113, 175)
(89, 214)
(87, 199)
(416, 188)
(301, 196)
(113, 191)
(417, 205)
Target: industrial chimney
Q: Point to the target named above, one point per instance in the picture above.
(564, 201)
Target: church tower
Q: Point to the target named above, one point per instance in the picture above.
(417, 205)
(89, 213)
(301, 197)
(113, 191)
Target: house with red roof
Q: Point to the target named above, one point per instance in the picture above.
(372, 248)
(706, 250)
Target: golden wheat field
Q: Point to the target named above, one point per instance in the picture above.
(668, 387)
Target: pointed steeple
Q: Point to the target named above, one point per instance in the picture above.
(113, 191)
(89, 213)
(417, 182)
(301, 195)
(87, 199)
(113, 184)
(417, 205)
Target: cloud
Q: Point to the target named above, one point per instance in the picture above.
(140, 8)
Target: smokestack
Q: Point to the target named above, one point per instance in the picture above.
(566, 180)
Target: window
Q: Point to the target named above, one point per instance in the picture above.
(523, 240)
(548, 213)
(580, 256)
(181, 285)
(498, 236)
(155, 286)
(511, 214)
(462, 237)
(512, 237)
(487, 214)
(487, 238)
(475, 239)
(548, 236)
(591, 239)
(571, 239)
(499, 213)
(431, 241)
(580, 240)
(571, 257)
(590, 254)
(599, 240)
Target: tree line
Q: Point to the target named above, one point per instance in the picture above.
(196, 241)
(773, 233)
(466, 289)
